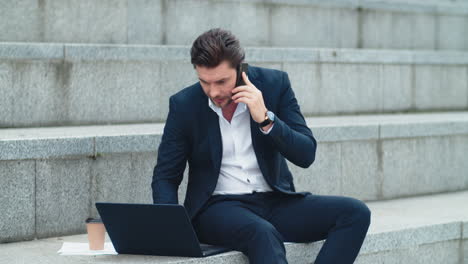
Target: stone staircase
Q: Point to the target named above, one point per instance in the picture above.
(410, 230)
(84, 88)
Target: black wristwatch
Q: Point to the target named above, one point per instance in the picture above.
(269, 118)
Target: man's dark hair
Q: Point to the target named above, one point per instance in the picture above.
(215, 46)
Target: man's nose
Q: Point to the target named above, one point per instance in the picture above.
(214, 92)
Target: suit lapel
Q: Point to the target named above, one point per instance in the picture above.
(214, 136)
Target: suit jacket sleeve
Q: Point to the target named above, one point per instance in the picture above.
(172, 158)
(290, 133)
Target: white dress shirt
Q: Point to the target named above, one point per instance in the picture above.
(239, 172)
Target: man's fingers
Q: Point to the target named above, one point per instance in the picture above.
(241, 94)
(245, 88)
(246, 79)
(244, 100)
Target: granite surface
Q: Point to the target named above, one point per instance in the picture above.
(410, 230)
(335, 23)
(113, 84)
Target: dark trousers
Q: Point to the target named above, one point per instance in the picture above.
(257, 224)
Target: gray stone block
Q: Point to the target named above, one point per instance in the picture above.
(368, 56)
(125, 53)
(420, 128)
(442, 252)
(452, 32)
(122, 178)
(15, 25)
(145, 22)
(458, 8)
(399, 6)
(316, 26)
(127, 144)
(142, 171)
(111, 179)
(385, 29)
(302, 252)
(350, 88)
(465, 251)
(271, 65)
(465, 230)
(39, 91)
(174, 77)
(232, 15)
(423, 165)
(17, 201)
(440, 87)
(185, 20)
(423, 31)
(31, 51)
(396, 86)
(344, 132)
(45, 148)
(455, 58)
(443, 211)
(7, 94)
(274, 54)
(143, 166)
(324, 176)
(360, 175)
(62, 196)
(85, 21)
(374, 24)
(400, 235)
(305, 81)
(114, 92)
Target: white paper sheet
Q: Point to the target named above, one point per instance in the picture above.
(72, 248)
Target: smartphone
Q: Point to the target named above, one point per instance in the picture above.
(243, 67)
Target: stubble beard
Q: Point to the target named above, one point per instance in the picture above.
(225, 104)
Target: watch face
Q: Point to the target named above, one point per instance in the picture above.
(271, 116)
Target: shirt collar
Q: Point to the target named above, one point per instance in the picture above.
(241, 107)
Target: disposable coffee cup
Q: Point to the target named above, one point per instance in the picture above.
(96, 233)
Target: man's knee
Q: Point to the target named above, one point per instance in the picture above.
(357, 212)
(361, 212)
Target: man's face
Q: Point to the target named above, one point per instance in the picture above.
(218, 82)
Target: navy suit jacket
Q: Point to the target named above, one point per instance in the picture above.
(192, 134)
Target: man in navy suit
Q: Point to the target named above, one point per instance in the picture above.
(236, 140)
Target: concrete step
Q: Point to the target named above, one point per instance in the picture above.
(394, 24)
(421, 230)
(71, 84)
(46, 171)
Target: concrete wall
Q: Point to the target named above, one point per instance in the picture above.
(339, 23)
(53, 197)
(50, 84)
(49, 186)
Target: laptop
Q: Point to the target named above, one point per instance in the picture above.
(153, 229)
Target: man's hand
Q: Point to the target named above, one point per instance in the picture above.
(252, 97)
